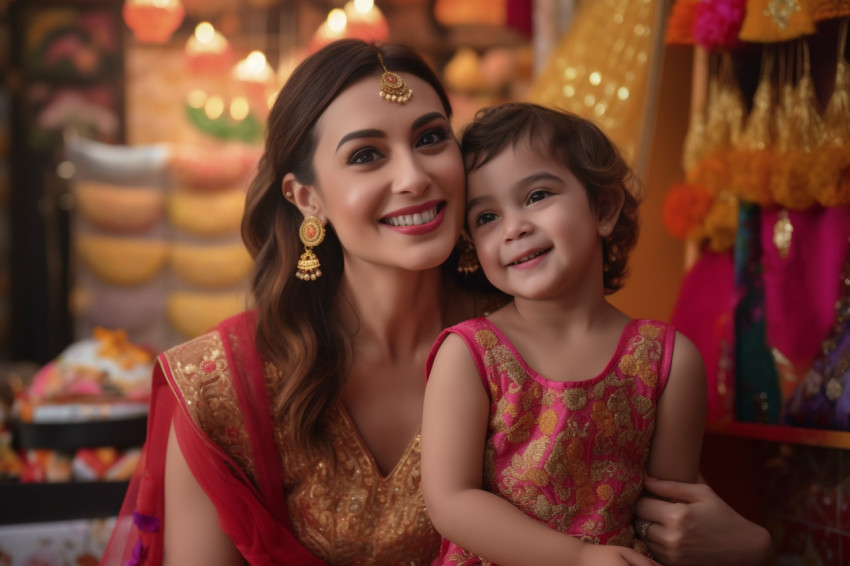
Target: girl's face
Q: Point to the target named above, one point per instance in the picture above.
(534, 230)
(389, 177)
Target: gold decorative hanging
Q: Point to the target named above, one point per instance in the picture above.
(829, 181)
(783, 230)
(724, 117)
(800, 131)
(774, 21)
(752, 162)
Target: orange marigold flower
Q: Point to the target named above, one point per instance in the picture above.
(790, 185)
(751, 173)
(685, 207)
(721, 223)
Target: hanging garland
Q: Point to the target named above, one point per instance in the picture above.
(248, 130)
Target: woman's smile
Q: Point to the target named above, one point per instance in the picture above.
(419, 219)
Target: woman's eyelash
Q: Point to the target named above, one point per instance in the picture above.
(442, 133)
(361, 153)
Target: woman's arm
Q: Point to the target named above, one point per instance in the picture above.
(192, 532)
(697, 528)
(454, 433)
(680, 417)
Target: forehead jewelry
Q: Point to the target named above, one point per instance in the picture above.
(392, 85)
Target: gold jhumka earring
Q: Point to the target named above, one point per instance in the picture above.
(312, 233)
(468, 261)
(393, 87)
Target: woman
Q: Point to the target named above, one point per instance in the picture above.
(290, 434)
(295, 426)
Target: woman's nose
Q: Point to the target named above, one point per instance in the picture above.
(409, 175)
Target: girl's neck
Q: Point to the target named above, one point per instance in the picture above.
(561, 317)
(555, 314)
(392, 310)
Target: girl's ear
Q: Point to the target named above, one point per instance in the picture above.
(608, 209)
(304, 197)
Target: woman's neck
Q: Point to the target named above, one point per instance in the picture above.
(392, 311)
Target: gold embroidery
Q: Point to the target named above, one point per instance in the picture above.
(349, 513)
(547, 422)
(487, 339)
(574, 399)
(644, 406)
(646, 352)
(780, 11)
(650, 331)
(201, 374)
(578, 471)
(783, 231)
(525, 465)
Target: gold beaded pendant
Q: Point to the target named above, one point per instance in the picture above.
(393, 87)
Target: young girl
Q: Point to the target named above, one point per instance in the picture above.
(542, 418)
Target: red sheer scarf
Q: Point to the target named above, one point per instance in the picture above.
(252, 513)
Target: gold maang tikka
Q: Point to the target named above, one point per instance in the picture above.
(393, 87)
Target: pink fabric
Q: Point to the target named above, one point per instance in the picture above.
(519, 16)
(705, 313)
(800, 289)
(532, 438)
(254, 515)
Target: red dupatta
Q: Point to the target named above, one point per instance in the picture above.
(228, 444)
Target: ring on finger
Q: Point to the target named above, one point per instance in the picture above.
(644, 529)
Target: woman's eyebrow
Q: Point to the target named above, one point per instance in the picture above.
(425, 118)
(376, 133)
(369, 133)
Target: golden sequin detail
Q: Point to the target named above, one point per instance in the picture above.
(202, 377)
(780, 11)
(349, 513)
(783, 230)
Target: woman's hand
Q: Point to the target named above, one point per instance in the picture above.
(604, 555)
(697, 528)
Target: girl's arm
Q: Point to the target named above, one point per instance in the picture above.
(454, 432)
(680, 417)
(192, 533)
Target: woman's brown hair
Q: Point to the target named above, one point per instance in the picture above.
(298, 330)
(583, 149)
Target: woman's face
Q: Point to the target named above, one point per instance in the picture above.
(389, 176)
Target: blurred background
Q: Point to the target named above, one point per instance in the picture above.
(130, 129)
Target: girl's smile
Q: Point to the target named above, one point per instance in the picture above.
(530, 260)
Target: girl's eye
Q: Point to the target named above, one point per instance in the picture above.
(537, 195)
(484, 218)
(362, 156)
(433, 136)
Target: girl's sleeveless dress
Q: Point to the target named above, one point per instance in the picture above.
(570, 454)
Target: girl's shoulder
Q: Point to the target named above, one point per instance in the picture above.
(649, 325)
(469, 325)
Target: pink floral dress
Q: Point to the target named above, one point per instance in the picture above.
(570, 454)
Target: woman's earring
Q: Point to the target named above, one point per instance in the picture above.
(312, 233)
(468, 261)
